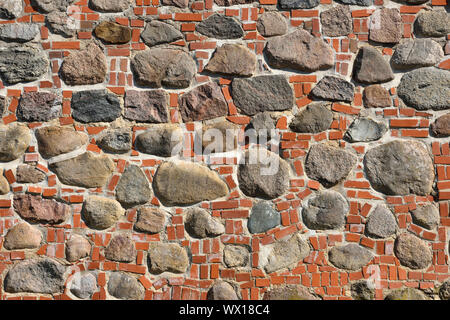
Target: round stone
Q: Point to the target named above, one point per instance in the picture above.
(263, 217)
(406, 294)
(350, 256)
(14, 141)
(289, 292)
(167, 257)
(432, 23)
(236, 256)
(53, 141)
(415, 53)
(162, 140)
(113, 33)
(412, 251)
(441, 127)
(200, 224)
(125, 287)
(221, 290)
(381, 223)
(116, 140)
(101, 213)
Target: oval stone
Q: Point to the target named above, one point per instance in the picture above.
(101, 213)
(14, 141)
(167, 257)
(53, 141)
(125, 287)
(22, 236)
(412, 251)
(350, 256)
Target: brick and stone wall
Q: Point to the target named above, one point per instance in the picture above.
(97, 94)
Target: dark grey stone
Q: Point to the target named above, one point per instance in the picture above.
(38, 106)
(314, 118)
(326, 210)
(200, 224)
(334, 89)
(22, 64)
(133, 187)
(350, 256)
(116, 140)
(444, 290)
(371, 67)
(220, 26)
(263, 217)
(364, 3)
(95, 106)
(157, 32)
(298, 4)
(365, 130)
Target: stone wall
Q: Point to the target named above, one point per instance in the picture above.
(98, 94)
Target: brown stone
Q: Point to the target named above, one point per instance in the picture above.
(53, 141)
(121, 248)
(170, 257)
(38, 107)
(375, 96)
(289, 292)
(36, 209)
(14, 141)
(22, 236)
(151, 220)
(226, 140)
(29, 174)
(101, 213)
(386, 26)
(221, 290)
(441, 127)
(147, 106)
(272, 24)
(232, 59)
(77, 247)
(4, 184)
(113, 33)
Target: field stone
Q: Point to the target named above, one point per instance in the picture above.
(61, 23)
(328, 164)
(113, 33)
(336, 21)
(262, 123)
(37, 210)
(289, 292)
(426, 216)
(364, 3)
(110, 5)
(185, 183)
(47, 6)
(212, 143)
(84, 67)
(35, 276)
(444, 290)
(162, 140)
(375, 96)
(167, 257)
(147, 106)
(176, 3)
(200, 224)
(271, 23)
(95, 106)
(385, 25)
(371, 67)
(221, 290)
(157, 32)
(101, 213)
(432, 23)
(87, 170)
(299, 50)
(150, 220)
(326, 210)
(22, 236)
(263, 217)
(414, 53)
(406, 294)
(14, 141)
(220, 26)
(314, 118)
(55, 140)
(365, 130)
(22, 64)
(133, 187)
(263, 174)
(441, 126)
(333, 88)
(298, 4)
(116, 140)
(349, 257)
(362, 290)
(4, 184)
(121, 248)
(226, 3)
(83, 285)
(19, 32)
(262, 93)
(412, 251)
(285, 253)
(400, 167)
(77, 247)
(125, 287)
(10, 9)
(232, 59)
(236, 256)
(425, 89)
(29, 174)
(381, 223)
(38, 106)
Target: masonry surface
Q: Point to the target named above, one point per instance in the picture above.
(95, 205)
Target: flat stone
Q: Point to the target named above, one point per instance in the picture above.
(101, 213)
(220, 26)
(406, 294)
(263, 174)
(217, 137)
(186, 183)
(204, 102)
(116, 140)
(400, 167)
(298, 4)
(415, 53)
(328, 164)
(350, 256)
(29, 174)
(19, 32)
(37, 210)
(221, 290)
(167, 257)
(200, 224)
(441, 126)
(157, 32)
(426, 216)
(425, 89)
(371, 67)
(326, 210)
(236, 256)
(444, 290)
(22, 64)
(163, 140)
(53, 141)
(77, 247)
(83, 285)
(314, 118)
(381, 223)
(125, 287)
(150, 220)
(163, 67)
(289, 292)
(271, 23)
(61, 23)
(333, 88)
(110, 5)
(113, 33)
(87, 170)
(14, 141)
(375, 96)
(432, 23)
(299, 50)
(263, 218)
(95, 106)
(412, 252)
(38, 107)
(233, 60)
(10, 9)
(35, 276)
(133, 187)
(176, 3)
(22, 236)
(363, 290)
(337, 21)
(385, 25)
(364, 3)
(121, 248)
(285, 253)
(147, 106)
(47, 6)
(365, 130)
(262, 93)
(84, 67)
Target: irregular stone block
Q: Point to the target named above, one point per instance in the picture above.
(22, 64)
(53, 141)
(406, 294)
(77, 247)
(116, 140)
(121, 248)
(46, 6)
(95, 106)
(200, 224)
(385, 25)
(426, 216)
(371, 67)
(83, 285)
(220, 26)
(10, 9)
(365, 130)
(314, 118)
(233, 60)
(110, 5)
(125, 287)
(417, 53)
(14, 141)
(333, 88)
(38, 107)
(221, 290)
(298, 4)
(263, 217)
(61, 23)
(161, 140)
(337, 21)
(150, 220)
(432, 23)
(236, 256)
(38, 210)
(133, 187)
(157, 32)
(381, 223)
(22, 236)
(441, 126)
(375, 96)
(271, 23)
(19, 32)
(289, 292)
(29, 174)
(113, 33)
